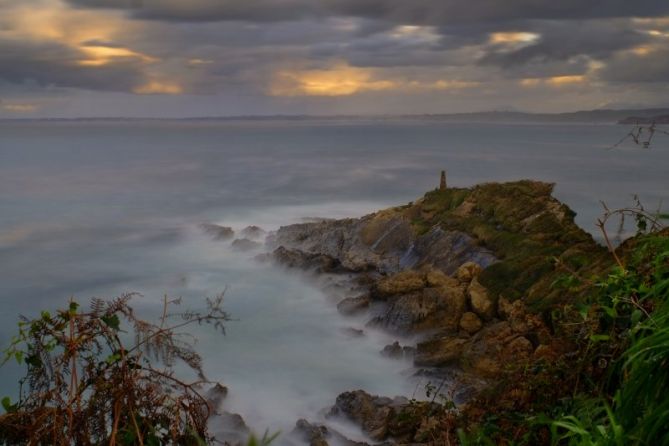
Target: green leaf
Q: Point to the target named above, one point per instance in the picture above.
(599, 337)
(7, 405)
(73, 307)
(635, 317)
(113, 358)
(112, 321)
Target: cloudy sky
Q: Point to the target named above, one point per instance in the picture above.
(163, 58)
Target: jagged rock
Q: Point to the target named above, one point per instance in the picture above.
(353, 305)
(396, 351)
(428, 309)
(374, 414)
(216, 395)
(253, 232)
(504, 307)
(480, 301)
(439, 352)
(521, 321)
(294, 258)
(470, 322)
(244, 244)
(401, 283)
(494, 347)
(353, 332)
(230, 428)
(313, 434)
(520, 347)
(436, 278)
(218, 232)
(384, 242)
(319, 435)
(447, 250)
(468, 271)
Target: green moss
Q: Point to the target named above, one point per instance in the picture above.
(522, 224)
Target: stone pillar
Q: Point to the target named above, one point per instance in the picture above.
(442, 182)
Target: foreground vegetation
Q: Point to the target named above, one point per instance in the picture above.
(605, 381)
(89, 381)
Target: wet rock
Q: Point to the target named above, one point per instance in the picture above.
(230, 428)
(425, 310)
(294, 258)
(447, 250)
(244, 244)
(353, 332)
(470, 322)
(353, 305)
(400, 283)
(480, 301)
(436, 278)
(313, 434)
(439, 352)
(374, 414)
(216, 395)
(320, 435)
(468, 271)
(253, 232)
(396, 351)
(217, 232)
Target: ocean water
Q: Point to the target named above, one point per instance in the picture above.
(101, 208)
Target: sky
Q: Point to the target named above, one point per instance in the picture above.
(187, 58)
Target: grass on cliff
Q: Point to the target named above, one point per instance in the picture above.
(528, 230)
(612, 388)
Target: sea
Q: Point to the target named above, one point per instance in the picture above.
(103, 207)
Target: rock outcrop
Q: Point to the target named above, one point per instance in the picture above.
(218, 232)
(458, 270)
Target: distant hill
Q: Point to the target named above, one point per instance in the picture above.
(602, 116)
(645, 120)
(587, 116)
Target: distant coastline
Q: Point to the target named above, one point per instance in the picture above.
(602, 116)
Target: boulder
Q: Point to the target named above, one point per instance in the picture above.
(439, 352)
(353, 305)
(470, 322)
(396, 351)
(217, 232)
(294, 258)
(401, 283)
(312, 434)
(436, 278)
(244, 244)
(438, 309)
(480, 301)
(374, 414)
(253, 232)
(216, 394)
(468, 271)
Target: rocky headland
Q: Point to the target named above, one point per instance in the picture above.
(463, 277)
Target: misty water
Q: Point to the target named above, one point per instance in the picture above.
(101, 208)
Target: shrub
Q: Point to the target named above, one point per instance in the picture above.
(85, 384)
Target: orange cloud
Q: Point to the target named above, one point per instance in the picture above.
(512, 38)
(344, 80)
(19, 108)
(340, 80)
(159, 87)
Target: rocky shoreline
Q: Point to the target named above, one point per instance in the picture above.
(460, 277)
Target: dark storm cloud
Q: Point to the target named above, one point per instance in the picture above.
(52, 64)
(433, 12)
(565, 45)
(634, 68)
